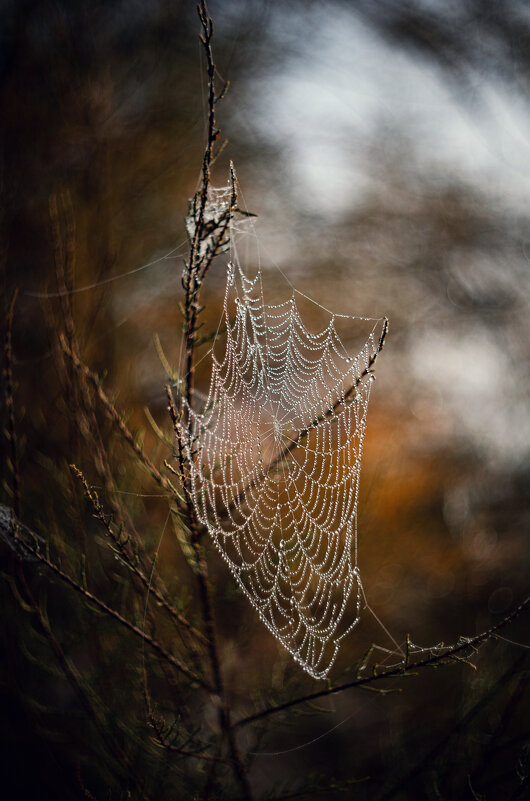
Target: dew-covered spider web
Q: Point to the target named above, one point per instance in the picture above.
(275, 457)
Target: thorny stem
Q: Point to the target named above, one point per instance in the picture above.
(451, 653)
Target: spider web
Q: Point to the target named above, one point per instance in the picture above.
(274, 458)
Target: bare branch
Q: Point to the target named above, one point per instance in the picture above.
(82, 694)
(45, 561)
(403, 669)
(132, 564)
(159, 728)
(123, 429)
(10, 404)
(194, 273)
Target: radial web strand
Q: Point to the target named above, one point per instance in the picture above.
(274, 458)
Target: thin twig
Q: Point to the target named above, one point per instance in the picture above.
(10, 404)
(123, 429)
(198, 264)
(131, 562)
(162, 739)
(225, 717)
(440, 747)
(399, 670)
(82, 694)
(192, 281)
(96, 601)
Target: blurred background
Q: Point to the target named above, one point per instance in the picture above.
(385, 148)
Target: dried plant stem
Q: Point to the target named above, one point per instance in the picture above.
(132, 562)
(10, 405)
(115, 416)
(97, 602)
(161, 736)
(453, 653)
(499, 686)
(64, 240)
(225, 718)
(163, 482)
(83, 696)
(194, 273)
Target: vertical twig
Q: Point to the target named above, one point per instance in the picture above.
(10, 405)
(225, 718)
(192, 284)
(77, 386)
(192, 279)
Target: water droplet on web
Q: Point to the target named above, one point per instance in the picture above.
(279, 379)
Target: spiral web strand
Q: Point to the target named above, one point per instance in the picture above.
(275, 458)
